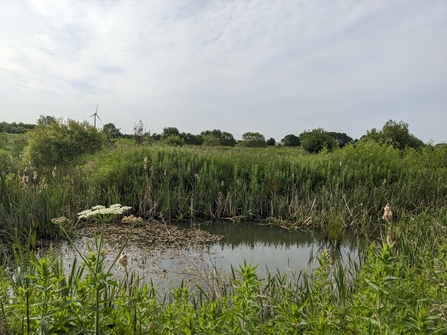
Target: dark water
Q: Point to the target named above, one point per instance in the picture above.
(272, 249)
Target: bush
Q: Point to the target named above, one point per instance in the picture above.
(60, 142)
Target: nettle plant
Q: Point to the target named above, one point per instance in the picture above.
(102, 214)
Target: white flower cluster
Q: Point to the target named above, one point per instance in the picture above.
(102, 212)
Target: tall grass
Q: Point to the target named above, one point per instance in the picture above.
(337, 190)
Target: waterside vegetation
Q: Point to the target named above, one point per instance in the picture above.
(397, 286)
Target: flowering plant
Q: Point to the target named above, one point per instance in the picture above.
(103, 214)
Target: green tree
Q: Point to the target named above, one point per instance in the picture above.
(169, 131)
(111, 131)
(271, 141)
(174, 140)
(315, 140)
(46, 120)
(394, 133)
(60, 142)
(225, 138)
(291, 141)
(253, 140)
(192, 139)
(341, 138)
(210, 141)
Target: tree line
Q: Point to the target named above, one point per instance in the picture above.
(54, 141)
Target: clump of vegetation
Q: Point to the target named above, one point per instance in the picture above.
(60, 142)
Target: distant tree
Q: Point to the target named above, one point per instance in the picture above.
(174, 140)
(394, 133)
(60, 142)
(156, 137)
(111, 131)
(140, 134)
(16, 128)
(46, 120)
(169, 131)
(271, 141)
(253, 140)
(291, 141)
(210, 140)
(225, 138)
(191, 139)
(341, 138)
(315, 140)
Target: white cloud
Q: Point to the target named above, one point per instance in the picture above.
(276, 67)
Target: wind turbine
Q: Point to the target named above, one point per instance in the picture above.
(96, 115)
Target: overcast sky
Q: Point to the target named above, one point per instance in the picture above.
(276, 67)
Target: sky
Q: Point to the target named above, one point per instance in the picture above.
(276, 67)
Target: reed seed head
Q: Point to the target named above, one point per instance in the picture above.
(388, 214)
(389, 240)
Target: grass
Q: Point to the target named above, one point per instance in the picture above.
(398, 288)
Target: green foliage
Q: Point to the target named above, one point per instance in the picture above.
(169, 131)
(315, 140)
(384, 292)
(46, 120)
(291, 141)
(15, 128)
(271, 141)
(60, 142)
(111, 131)
(253, 140)
(210, 140)
(340, 138)
(5, 161)
(191, 139)
(225, 138)
(394, 133)
(174, 140)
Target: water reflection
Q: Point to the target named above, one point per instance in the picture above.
(272, 249)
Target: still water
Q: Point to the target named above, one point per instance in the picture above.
(271, 249)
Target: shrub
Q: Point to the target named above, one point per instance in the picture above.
(60, 142)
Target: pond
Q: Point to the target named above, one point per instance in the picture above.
(228, 246)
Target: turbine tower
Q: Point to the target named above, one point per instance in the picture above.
(95, 115)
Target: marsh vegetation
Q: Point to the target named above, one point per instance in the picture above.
(397, 286)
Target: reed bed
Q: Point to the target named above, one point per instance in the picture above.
(281, 186)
